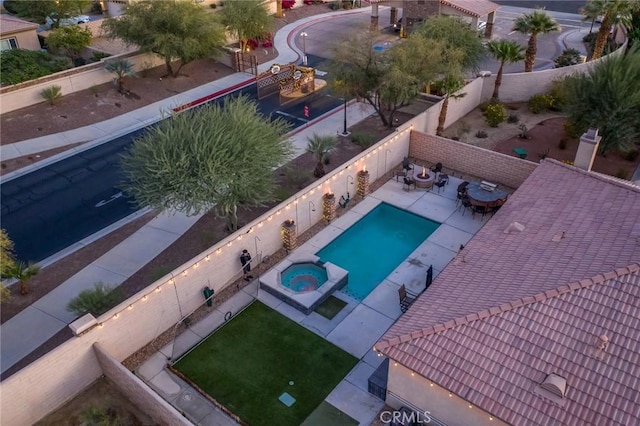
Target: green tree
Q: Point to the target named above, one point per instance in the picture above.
(456, 35)
(174, 30)
(121, 68)
(23, 272)
(38, 10)
(246, 19)
(534, 23)
(216, 156)
(71, 39)
(320, 147)
(614, 12)
(506, 52)
(387, 79)
(608, 98)
(7, 263)
(450, 86)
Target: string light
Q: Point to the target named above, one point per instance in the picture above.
(207, 258)
(130, 307)
(158, 289)
(116, 316)
(144, 298)
(219, 251)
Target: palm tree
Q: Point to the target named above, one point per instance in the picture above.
(507, 52)
(121, 68)
(448, 86)
(613, 13)
(23, 272)
(320, 147)
(534, 23)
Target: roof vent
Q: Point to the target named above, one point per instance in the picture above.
(558, 237)
(514, 227)
(555, 384)
(603, 342)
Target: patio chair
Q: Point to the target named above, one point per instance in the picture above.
(408, 183)
(465, 204)
(440, 184)
(444, 177)
(406, 165)
(483, 210)
(437, 169)
(406, 298)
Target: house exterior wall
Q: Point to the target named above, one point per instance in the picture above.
(26, 39)
(402, 387)
(58, 376)
(469, 159)
(137, 391)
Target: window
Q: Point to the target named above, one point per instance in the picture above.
(8, 44)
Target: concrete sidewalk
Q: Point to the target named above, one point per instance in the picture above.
(38, 323)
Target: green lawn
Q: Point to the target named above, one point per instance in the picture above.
(249, 362)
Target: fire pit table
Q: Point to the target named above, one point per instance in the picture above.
(424, 179)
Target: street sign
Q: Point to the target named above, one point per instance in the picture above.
(306, 111)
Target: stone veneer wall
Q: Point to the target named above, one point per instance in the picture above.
(137, 391)
(469, 159)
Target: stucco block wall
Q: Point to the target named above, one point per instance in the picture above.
(137, 391)
(469, 159)
(52, 380)
(402, 387)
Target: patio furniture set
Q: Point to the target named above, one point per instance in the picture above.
(481, 198)
(426, 179)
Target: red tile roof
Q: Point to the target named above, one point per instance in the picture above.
(497, 363)
(10, 24)
(577, 226)
(476, 8)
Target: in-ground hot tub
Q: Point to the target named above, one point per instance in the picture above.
(303, 281)
(304, 277)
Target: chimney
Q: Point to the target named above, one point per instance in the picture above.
(587, 149)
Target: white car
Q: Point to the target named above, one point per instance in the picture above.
(66, 22)
(482, 25)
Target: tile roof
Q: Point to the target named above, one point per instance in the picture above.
(577, 225)
(10, 24)
(476, 8)
(515, 346)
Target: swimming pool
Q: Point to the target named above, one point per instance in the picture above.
(375, 245)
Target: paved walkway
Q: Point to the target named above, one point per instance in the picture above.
(357, 327)
(35, 325)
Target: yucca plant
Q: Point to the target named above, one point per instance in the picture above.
(320, 147)
(52, 94)
(96, 301)
(121, 68)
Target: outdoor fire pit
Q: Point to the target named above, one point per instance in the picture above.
(424, 179)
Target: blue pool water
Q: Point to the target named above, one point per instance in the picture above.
(375, 245)
(303, 277)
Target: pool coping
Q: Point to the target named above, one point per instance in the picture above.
(305, 302)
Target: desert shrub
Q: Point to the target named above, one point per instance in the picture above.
(622, 173)
(335, 5)
(544, 154)
(52, 94)
(559, 93)
(495, 114)
(96, 301)
(481, 134)
(564, 142)
(5, 294)
(540, 103)
(296, 176)
(464, 127)
(79, 61)
(97, 56)
(572, 129)
(346, 4)
(95, 415)
(631, 155)
(568, 57)
(513, 118)
(213, 6)
(484, 105)
(21, 65)
(364, 140)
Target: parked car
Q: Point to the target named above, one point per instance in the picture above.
(66, 22)
(482, 25)
(411, 22)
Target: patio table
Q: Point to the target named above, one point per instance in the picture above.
(482, 197)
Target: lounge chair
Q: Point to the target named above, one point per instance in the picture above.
(406, 298)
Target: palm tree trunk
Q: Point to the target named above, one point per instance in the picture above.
(601, 40)
(496, 87)
(443, 116)
(530, 53)
(319, 171)
(278, 8)
(24, 287)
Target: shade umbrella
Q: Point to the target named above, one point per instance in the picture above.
(429, 277)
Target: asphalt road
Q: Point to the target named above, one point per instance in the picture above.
(54, 207)
(571, 6)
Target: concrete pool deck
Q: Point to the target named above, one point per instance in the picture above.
(358, 326)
